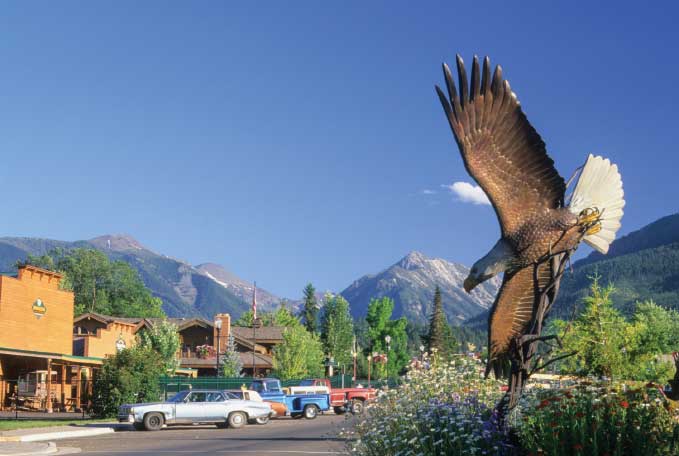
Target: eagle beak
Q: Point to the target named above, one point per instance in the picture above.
(469, 284)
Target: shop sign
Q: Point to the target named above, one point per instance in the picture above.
(39, 308)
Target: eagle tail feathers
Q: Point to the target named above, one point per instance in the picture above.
(600, 187)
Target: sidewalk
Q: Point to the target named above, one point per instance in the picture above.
(20, 449)
(60, 432)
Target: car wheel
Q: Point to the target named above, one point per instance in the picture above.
(357, 407)
(262, 420)
(339, 410)
(153, 421)
(310, 412)
(138, 426)
(237, 420)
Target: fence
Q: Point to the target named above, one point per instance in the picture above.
(172, 385)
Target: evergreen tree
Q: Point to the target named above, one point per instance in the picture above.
(337, 329)
(231, 362)
(440, 335)
(310, 309)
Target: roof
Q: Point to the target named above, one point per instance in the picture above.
(107, 318)
(181, 323)
(90, 360)
(245, 334)
(272, 333)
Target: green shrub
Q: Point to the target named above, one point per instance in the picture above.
(128, 377)
(597, 419)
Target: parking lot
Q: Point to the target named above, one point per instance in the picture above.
(280, 436)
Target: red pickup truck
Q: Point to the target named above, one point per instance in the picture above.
(344, 399)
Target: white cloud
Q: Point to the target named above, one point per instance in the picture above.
(426, 191)
(468, 193)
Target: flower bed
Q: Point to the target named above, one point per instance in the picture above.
(447, 409)
(597, 419)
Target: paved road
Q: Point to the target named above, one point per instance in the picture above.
(283, 436)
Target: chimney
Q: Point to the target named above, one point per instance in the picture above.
(223, 341)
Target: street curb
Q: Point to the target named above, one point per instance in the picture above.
(64, 434)
(51, 448)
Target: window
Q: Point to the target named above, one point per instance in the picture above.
(197, 397)
(214, 397)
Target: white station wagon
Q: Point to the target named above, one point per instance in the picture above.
(195, 407)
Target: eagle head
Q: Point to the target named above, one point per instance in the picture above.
(496, 261)
(475, 278)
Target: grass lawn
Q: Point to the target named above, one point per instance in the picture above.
(10, 425)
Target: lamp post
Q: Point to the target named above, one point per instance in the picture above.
(218, 325)
(369, 362)
(421, 353)
(354, 354)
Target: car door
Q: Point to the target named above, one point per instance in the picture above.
(215, 406)
(191, 410)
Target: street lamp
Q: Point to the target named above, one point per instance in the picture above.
(354, 354)
(387, 339)
(369, 363)
(421, 352)
(218, 325)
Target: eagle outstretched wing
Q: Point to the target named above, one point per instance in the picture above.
(500, 148)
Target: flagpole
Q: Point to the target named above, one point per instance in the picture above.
(254, 329)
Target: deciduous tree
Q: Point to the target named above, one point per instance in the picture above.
(128, 377)
(380, 325)
(337, 329)
(101, 285)
(163, 338)
(299, 356)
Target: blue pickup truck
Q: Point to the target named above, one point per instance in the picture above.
(298, 405)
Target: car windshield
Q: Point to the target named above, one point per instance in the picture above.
(234, 395)
(179, 397)
(306, 383)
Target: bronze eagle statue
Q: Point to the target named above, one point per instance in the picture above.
(507, 158)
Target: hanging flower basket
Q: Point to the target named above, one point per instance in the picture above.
(205, 351)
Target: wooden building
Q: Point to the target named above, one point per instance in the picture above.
(37, 366)
(101, 335)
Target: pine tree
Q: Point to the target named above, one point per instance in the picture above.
(310, 309)
(440, 336)
(231, 362)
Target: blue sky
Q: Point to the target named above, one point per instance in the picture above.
(293, 141)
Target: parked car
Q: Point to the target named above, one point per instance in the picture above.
(342, 399)
(297, 405)
(277, 408)
(194, 407)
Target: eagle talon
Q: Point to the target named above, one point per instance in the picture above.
(589, 216)
(594, 229)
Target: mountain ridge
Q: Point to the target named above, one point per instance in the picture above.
(411, 282)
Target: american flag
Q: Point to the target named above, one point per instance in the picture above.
(254, 303)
